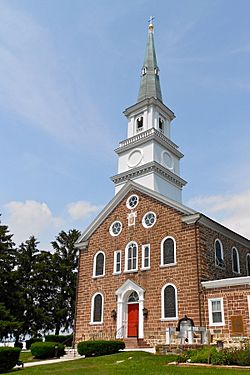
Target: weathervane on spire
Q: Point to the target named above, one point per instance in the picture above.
(151, 25)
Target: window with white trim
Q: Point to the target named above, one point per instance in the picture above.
(218, 251)
(149, 219)
(235, 260)
(169, 302)
(115, 228)
(161, 124)
(216, 311)
(99, 264)
(248, 264)
(168, 251)
(139, 124)
(132, 201)
(145, 257)
(97, 308)
(117, 262)
(131, 257)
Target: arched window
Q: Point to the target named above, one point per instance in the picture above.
(131, 257)
(139, 123)
(168, 251)
(99, 264)
(248, 264)
(218, 251)
(97, 309)
(235, 260)
(169, 302)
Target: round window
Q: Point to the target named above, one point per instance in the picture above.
(149, 219)
(115, 228)
(132, 201)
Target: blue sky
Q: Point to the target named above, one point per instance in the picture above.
(69, 68)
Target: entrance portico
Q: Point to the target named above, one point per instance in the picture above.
(130, 303)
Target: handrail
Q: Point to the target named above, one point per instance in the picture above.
(119, 330)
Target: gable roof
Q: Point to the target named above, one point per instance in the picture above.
(129, 186)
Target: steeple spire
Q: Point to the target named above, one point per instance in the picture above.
(150, 82)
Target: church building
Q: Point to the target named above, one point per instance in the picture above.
(151, 270)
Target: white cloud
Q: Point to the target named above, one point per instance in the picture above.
(230, 210)
(81, 209)
(32, 218)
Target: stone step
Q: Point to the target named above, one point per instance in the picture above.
(134, 343)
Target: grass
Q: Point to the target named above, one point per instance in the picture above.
(27, 357)
(126, 363)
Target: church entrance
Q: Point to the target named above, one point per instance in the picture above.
(133, 319)
(130, 304)
(133, 314)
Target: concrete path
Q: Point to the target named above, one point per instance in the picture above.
(48, 361)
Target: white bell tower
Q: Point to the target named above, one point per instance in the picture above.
(148, 156)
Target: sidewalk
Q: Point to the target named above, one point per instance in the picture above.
(49, 361)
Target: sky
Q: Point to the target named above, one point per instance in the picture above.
(68, 69)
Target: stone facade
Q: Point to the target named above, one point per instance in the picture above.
(195, 262)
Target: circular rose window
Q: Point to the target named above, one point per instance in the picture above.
(132, 201)
(149, 219)
(115, 228)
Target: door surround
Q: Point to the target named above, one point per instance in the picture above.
(123, 294)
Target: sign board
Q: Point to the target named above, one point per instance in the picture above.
(237, 325)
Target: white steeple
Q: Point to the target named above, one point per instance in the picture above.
(148, 156)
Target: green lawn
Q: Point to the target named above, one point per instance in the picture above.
(122, 364)
(27, 357)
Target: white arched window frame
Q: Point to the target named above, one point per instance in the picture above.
(131, 260)
(235, 260)
(162, 252)
(219, 260)
(163, 303)
(92, 321)
(95, 264)
(248, 266)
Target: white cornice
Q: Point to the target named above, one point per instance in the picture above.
(146, 102)
(130, 185)
(221, 283)
(209, 223)
(149, 168)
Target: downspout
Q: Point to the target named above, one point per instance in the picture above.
(198, 269)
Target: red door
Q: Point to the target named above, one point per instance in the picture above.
(133, 318)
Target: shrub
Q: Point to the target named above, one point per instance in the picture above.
(63, 339)
(44, 350)
(32, 340)
(222, 357)
(99, 347)
(202, 355)
(18, 345)
(8, 358)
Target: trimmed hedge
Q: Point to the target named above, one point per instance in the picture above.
(99, 347)
(63, 339)
(44, 350)
(32, 340)
(8, 358)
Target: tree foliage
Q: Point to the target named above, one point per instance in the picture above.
(37, 288)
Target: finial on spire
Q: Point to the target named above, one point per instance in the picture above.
(151, 25)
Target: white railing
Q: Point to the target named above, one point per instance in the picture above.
(146, 134)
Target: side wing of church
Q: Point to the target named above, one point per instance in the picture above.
(151, 270)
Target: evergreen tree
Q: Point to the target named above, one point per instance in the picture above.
(27, 256)
(66, 264)
(7, 264)
(8, 324)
